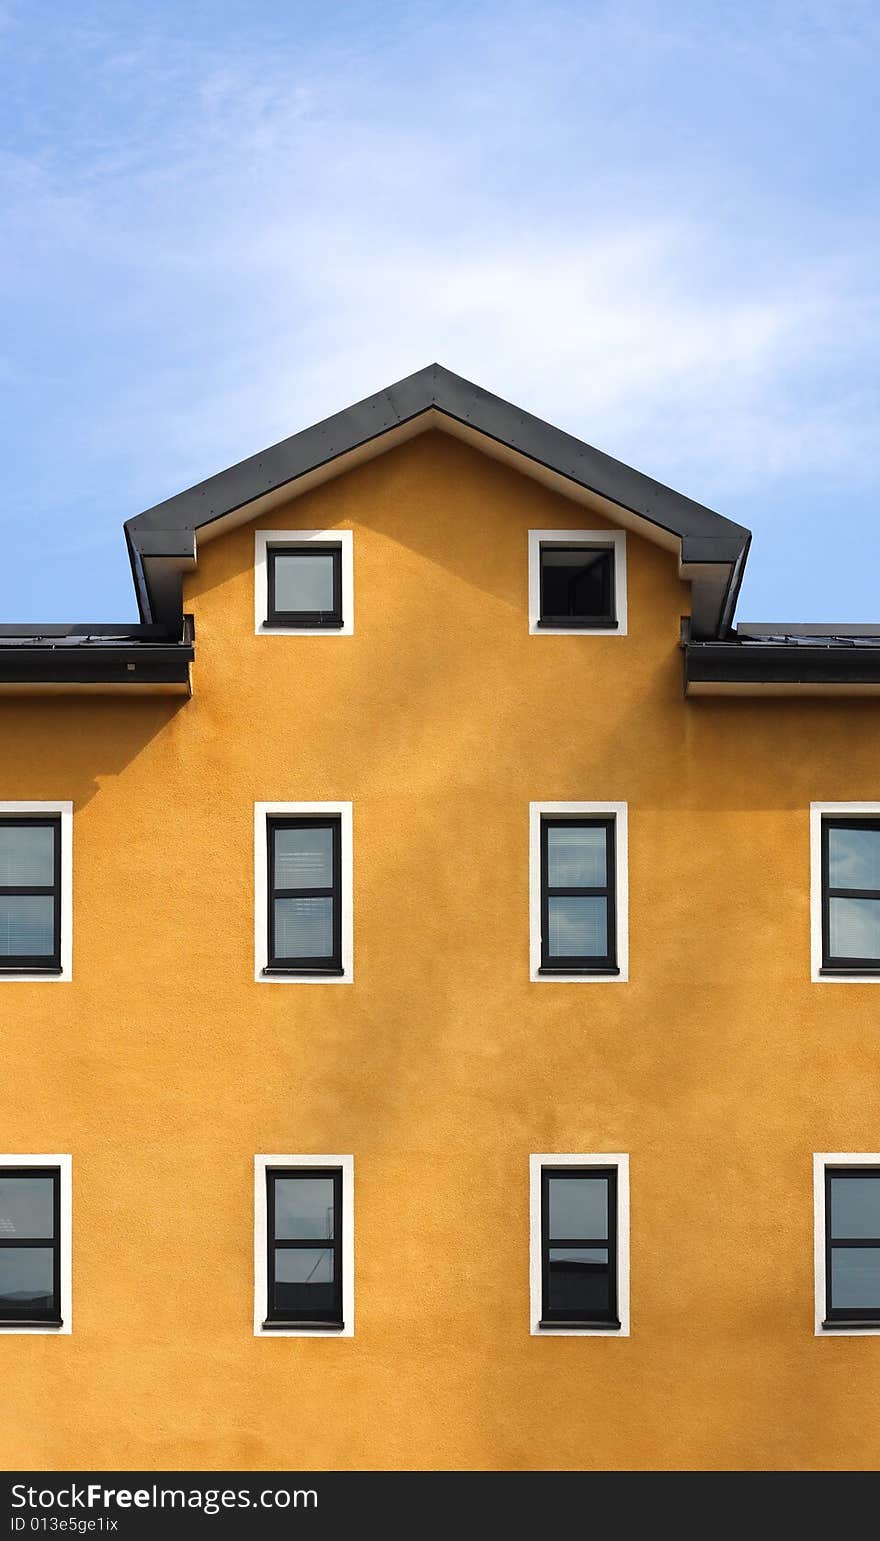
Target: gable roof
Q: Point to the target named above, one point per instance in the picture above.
(163, 541)
(155, 656)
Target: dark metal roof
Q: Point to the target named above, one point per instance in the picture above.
(96, 657)
(792, 657)
(161, 540)
(157, 653)
(806, 633)
(80, 634)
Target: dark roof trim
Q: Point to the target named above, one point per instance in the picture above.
(793, 631)
(78, 633)
(161, 540)
(837, 662)
(96, 658)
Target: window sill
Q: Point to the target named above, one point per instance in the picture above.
(859, 972)
(307, 973)
(30, 969)
(297, 623)
(584, 1326)
(574, 969)
(857, 1322)
(8, 1324)
(583, 623)
(298, 1326)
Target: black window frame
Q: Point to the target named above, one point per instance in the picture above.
(605, 622)
(329, 620)
(580, 964)
(331, 1320)
(28, 1317)
(324, 965)
(832, 964)
(846, 1316)
(41, 963)
(609, 1322)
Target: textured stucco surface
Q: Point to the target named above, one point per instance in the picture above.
(163, 1068)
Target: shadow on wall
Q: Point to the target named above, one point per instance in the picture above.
(406, 495)
(449, 511)
(65, 746)
(444, 663)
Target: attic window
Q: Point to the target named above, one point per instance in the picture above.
(305, 585)
(577, 581)
(577, 586)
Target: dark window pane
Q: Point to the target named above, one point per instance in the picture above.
(304, 928)
(304, 1281)
(26, 1207)
(854, 858)
(578, 1207)
(576, 582)
(303, 857)
(27, 856)
(855, 1278)
(576, 856)
(855, 1207)
(579, 1280)
(303, 1208)
(304, 582)
(577, 927)
(854, 928)
(26, 1278)
(27, 926)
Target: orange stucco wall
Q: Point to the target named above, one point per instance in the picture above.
(163, 1067)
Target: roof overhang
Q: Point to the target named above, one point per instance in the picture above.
(796, 661)
(163, 541)
(95, 660)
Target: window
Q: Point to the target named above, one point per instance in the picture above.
(577, 895)
(30, 894)
(845, 907)
(303, 877)
(305, 585)
(304, 1229)
(304, 881)
(847, 1202)
(303, 582)
(580, 1244)
(578, 864)
(35, 890)
(851, 893)
(35, 1244)
(577, 581)
(577, 586)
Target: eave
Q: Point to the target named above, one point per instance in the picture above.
(784, 661)
(95, 660)
(163, 541)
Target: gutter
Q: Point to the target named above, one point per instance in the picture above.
(63, 659)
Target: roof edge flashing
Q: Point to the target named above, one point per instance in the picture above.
(768, 629)
(161, 540)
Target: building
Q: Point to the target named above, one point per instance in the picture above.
(437, 983)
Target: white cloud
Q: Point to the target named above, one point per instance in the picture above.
(220, 245)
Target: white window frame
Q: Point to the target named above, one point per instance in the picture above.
(818, 811)
(265, 538)
(615, 540)
(64, 810)
(261, 1241)
(65, 1238)
(343, 811)
(820, 1161)
(621, 861)
(536, 1166)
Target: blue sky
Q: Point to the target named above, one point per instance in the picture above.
(654, 224)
